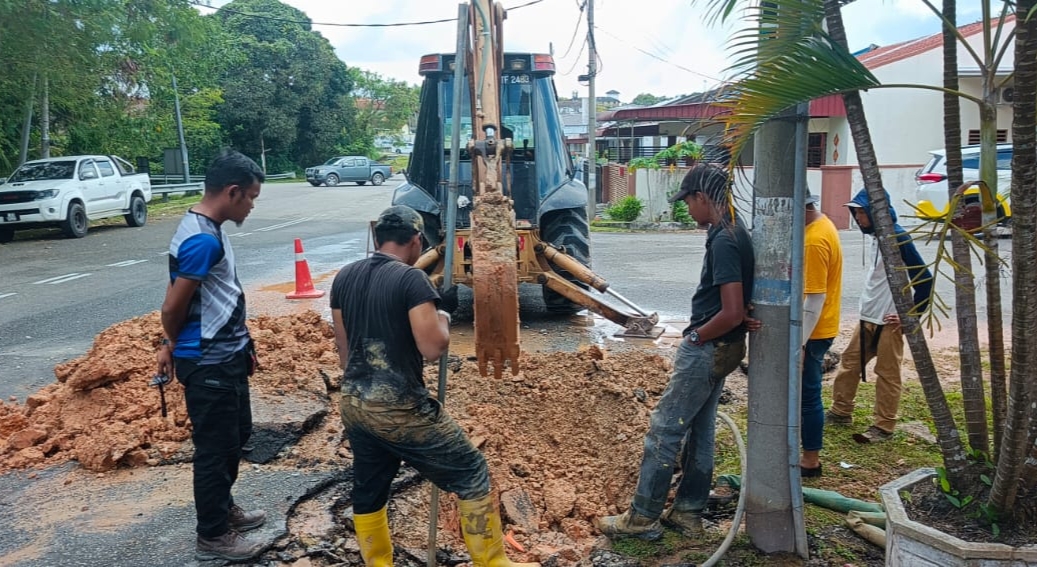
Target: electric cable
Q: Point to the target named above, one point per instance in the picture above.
(201, 4)
(572, 40)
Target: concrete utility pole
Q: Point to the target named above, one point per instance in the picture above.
(45, 120)
(592, 116)
(774, 496)
(27, 127)
(180, 132)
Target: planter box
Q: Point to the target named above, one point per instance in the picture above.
(911, 544)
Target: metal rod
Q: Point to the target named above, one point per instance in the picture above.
(796, 352)
(450, 221)
(626, 301)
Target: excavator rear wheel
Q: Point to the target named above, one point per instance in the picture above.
(568, 229)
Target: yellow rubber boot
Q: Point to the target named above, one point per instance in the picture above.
(481, 526)
(372, 534)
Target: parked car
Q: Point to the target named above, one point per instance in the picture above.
(931, 193)
(357, 169)
(69, 192)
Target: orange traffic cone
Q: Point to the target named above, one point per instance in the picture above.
(303, 282)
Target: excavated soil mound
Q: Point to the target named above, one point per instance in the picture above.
(102, 412)
(563, 438)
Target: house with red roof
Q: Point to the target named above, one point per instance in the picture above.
(905, 123)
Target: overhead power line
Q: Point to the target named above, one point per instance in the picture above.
(654, 56)
(201, 4)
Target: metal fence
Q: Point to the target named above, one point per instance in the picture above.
(166, 189)
(163, 180)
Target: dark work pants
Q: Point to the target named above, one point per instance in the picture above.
(425, 437)
(221, 418)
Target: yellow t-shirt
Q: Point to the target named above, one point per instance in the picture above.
(823, 273)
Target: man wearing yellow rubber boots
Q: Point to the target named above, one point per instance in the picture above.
(387, 317)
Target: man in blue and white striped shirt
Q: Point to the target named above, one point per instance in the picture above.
(208, 349)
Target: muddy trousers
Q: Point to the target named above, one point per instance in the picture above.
(425, 437)
(686, 414)
(884, 343)
(220, 409)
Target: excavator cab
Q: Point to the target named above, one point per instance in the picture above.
(538, 175)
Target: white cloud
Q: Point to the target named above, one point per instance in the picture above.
(669, 29)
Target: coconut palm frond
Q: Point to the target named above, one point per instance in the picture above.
(771, 30)
(808, 69)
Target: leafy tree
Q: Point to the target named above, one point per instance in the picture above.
(647, 99)
(291, 100)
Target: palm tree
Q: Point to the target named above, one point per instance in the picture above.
(965, 287)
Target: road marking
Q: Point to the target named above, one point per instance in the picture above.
(283, 225)
(241, 234)
(125, 263)
(61, 279)
(3, 295)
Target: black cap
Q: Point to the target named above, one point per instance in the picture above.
(399, 217)
(812, 199)
(708, 179)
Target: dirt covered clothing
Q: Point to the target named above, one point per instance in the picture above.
(426, 437)
(729, 259)
(823, 273)
(375, 296)
(884, 343)
(215, 330)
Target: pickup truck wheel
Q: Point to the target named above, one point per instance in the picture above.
(566, 228)
(138, 214)
(6, 235)
(314, 183)
(331, 180)
(361, 183)
(377, 179)
(74, 225)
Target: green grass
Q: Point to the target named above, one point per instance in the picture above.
(831, 543)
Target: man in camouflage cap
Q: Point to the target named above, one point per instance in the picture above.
(388, 318)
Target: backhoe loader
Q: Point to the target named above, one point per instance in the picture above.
(521, 214)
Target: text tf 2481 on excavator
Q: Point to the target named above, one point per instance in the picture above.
(521, 214)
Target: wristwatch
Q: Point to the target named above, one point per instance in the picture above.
(693, 336)
(164, 342)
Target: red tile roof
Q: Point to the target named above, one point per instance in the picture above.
(903, 50)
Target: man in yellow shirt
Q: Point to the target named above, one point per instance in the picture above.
(822, 289)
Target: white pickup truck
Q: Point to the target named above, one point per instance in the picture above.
(69, 192)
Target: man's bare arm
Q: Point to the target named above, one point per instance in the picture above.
(341, 339)
(431, 330)
(732, 313)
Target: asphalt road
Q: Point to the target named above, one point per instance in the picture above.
(56, 294)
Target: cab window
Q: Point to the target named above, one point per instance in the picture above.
(105, 167)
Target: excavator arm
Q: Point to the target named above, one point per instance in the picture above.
(501, 255)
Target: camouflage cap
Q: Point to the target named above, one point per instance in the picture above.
(398, 217)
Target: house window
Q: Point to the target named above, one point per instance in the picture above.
(816, 149)
(1002, 137)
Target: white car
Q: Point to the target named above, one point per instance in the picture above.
(69, 192)
(931, 193)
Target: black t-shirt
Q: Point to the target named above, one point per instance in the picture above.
(729, 258)
(375, 296)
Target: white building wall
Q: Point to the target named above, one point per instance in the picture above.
(906, 123)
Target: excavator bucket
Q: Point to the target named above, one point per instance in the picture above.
(495, 284)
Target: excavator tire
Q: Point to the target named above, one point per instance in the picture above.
(567, 229)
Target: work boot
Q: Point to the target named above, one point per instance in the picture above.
(836, 419)
(372, 534)
(230, 546)
(629, 524)
(872, 435)
(481, 526)
(687, 522)
(243, 521)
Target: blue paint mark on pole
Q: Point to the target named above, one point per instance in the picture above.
(768, 291)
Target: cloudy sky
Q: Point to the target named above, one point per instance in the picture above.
(657, 46)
